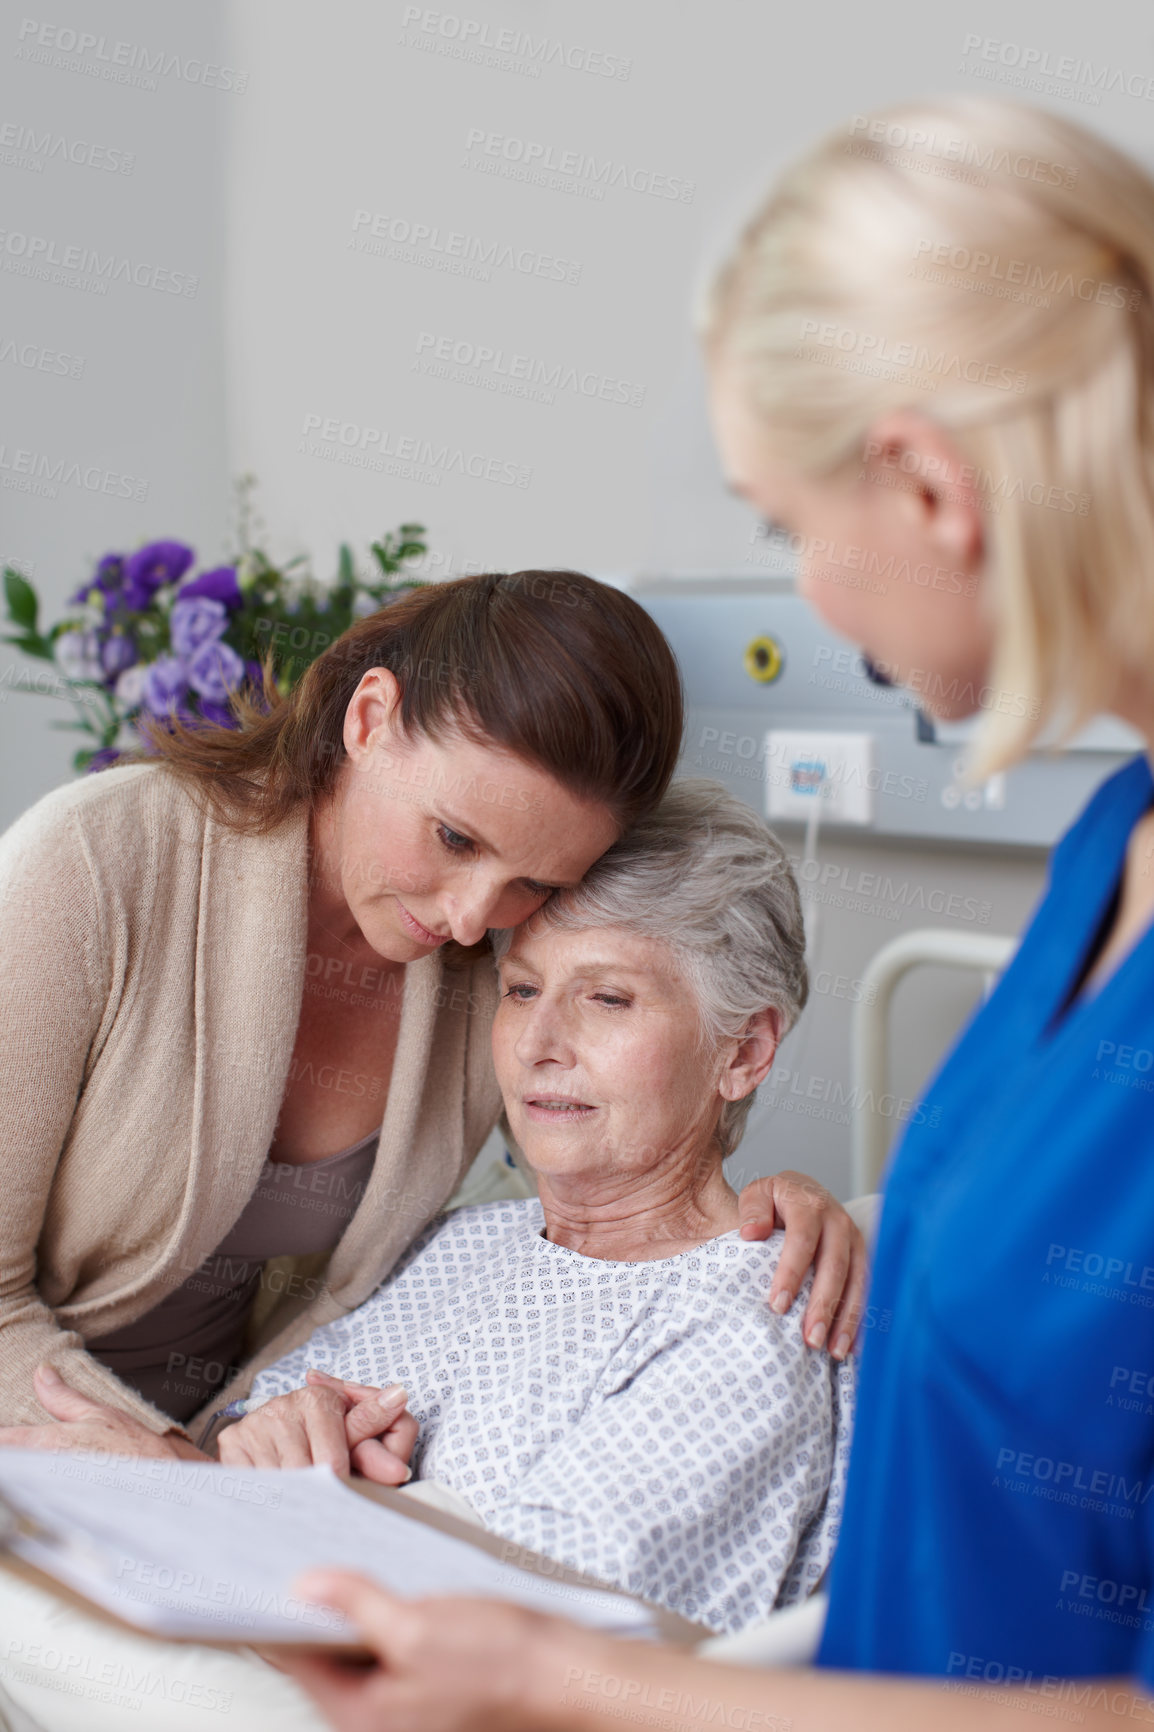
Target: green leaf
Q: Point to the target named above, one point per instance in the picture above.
(346, 571)
(21, 598)
(82, 759)
(382, 553)
(33, 645)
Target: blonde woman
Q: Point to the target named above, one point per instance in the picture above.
(932, 363)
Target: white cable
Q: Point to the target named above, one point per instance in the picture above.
(810, 907)
(809, 912)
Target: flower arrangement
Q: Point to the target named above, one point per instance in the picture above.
(145, 639)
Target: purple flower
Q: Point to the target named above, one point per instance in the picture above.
(219, 714)
(102, 760)
(110, 574)
(196, 622)
(218, 585)
(259, 694)
(107, 578)
(130, 687)
(214, 671)
(151, 567)
(117, 653)
(166, 684)
(78, 655)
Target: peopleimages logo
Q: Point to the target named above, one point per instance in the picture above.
(508, 49)
(492, 368)
(1031, 65)
(529, 159)
(953, 148)
(71, 50)
(23, 147)
(878, 347)
(1008, 271)
(366, 447)
(38, 256)
(38, 359)
(38, 473)
(407, 242)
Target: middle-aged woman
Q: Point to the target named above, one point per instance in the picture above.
(232, 1044)
(932, 362)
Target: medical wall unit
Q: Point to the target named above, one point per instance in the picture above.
(786, 713)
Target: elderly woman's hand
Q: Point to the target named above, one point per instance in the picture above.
(446, 1665)
(378, 1455)
(348, 1426)
(82, 1423)
(817, 1231)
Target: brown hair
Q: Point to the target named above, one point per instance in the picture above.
(567, 673)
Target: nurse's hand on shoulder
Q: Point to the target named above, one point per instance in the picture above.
(350, 1427)
(817, 1231)
(81, 1423)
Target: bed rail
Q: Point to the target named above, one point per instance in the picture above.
(987, 952)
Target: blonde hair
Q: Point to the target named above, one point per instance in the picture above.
(1005, 257)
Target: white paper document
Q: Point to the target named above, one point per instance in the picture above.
(191, 1549)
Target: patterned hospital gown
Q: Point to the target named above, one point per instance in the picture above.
(653, 1424)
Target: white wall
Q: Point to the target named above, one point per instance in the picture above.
(345, 113)
(147, 410)
(348, 107)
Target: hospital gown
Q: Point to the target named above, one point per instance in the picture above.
(653, 1424)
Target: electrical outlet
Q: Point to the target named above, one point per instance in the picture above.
(832, 773)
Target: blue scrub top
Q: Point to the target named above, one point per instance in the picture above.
(999, 1519)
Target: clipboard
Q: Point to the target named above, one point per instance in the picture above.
(669, 1626)
(672, 1627)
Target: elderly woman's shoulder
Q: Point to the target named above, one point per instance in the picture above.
(717, 1317)
(730, 1273)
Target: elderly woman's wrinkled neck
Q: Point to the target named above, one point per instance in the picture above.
(672, 1209)
(614, 1093)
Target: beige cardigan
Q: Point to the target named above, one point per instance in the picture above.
(151, 969)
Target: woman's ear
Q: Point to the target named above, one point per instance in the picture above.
(751, 1057)
(924, 478)
(373, 712)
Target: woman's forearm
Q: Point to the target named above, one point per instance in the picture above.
(32, 1335)
(585, 1684)
(470, 1665)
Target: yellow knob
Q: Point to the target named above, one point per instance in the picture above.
(763, 660)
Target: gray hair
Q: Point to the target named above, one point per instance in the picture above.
(703, 874)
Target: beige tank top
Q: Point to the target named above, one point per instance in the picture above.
(186, 1348)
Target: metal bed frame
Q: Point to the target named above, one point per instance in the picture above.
(869, 1034)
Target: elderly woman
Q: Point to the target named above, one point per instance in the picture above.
(596, 1372)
